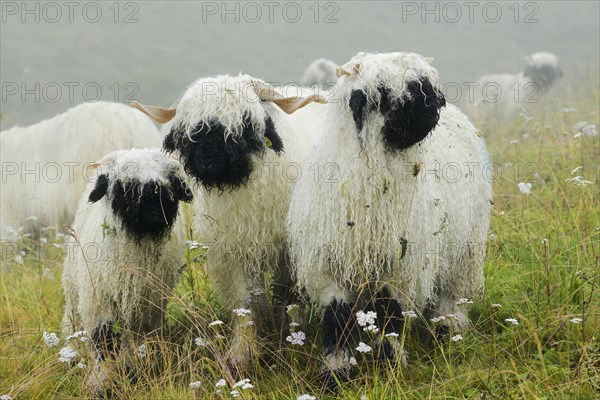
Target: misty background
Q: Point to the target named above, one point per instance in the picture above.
(151, 51)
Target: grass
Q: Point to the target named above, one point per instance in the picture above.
(542, 268)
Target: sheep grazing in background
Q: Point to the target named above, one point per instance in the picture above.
(320, 73)
(242, 141)
(125, 254)
(402, 223)
(44, 165)
(502, 95)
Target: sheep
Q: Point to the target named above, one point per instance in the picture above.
(44, 165)
(402, 224)
(125, 253)
(502, 95)
(321, 73)
(242, 142)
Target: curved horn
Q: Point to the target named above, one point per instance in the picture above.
(340, 71)
(287, 104)
(158, 114)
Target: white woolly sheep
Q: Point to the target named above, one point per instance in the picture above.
(125, 254)
(403, 222)
(44, 165)
(321, 73)
(502, 95)
(235, 136)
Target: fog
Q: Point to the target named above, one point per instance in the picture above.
(55, 55)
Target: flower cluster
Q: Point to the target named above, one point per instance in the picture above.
(512, 321)
(242, 312)
(296, 338)
(364, 348)
(51, 339)
(67, 354)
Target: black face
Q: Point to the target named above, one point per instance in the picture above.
(219, 162)
(406, 122)
(147, 210)
(543, 76)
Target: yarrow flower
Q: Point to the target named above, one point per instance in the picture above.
(512, 321)
(525, 188)
(201, 342)
(576, 320)
(367, 318)
(291, 307)
(306, 397)
(391, 334)
(249, 323)
(579, 181)
(296, 338)
(409, 314)
(235, 393)
(67, 354)
(294, 324)
(463, 301)
(352, 361)
(457, 338)
(142, 351)
(195, 385)
(244, 384)
(364, 348)
(51, 339)
(438, 319)
(371, 328)
(242, 312)
(5, 397)
(216, 322)
(78, 334)
(221, 383)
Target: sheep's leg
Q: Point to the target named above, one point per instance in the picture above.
(391, 322)
(456, 318)
(338, 323)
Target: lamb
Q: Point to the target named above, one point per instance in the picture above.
(125, 254)
(242, 141)
(321, 73)
(44, 165)
(502, 95)
(402, 224)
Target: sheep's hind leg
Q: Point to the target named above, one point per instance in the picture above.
(391, 321)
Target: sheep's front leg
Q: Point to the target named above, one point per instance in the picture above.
(391, 323)
(338, 323)
(454, 312)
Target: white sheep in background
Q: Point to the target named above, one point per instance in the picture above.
(44, 165)
(501, 95)
(402, 224)
(235, 136)
(321, 73)
(123, 260)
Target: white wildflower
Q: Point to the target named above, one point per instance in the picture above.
(371, 328)
(352, 361)
(576, 170)
(496, 306)
(242, 312)
(409, 314)
(367, 318)
(294, 324)
(78, 334)
(512, 321)
(142, 351)
(296, 338)
(48, 274)
(221, 383)
(364, 348)
(579, 181)
(192, 244)
(457, 338)
(438, 319)
(249, 323)
(5, 397)
(216, 322)
(306, 397)
(244, 384)
(20, 260)
(51, 339)
(195, 385)
(391, 334)
(67, 354)
(463, 301)
(234, 393)
(525, 188)
(201, 342)
(584, 128)
(576, 320)
(291, 307)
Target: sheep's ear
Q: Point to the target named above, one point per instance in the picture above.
(272, 138)
(181, 190)
(100, 189)
(158, 114)
(357, 103)
(288, 104)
